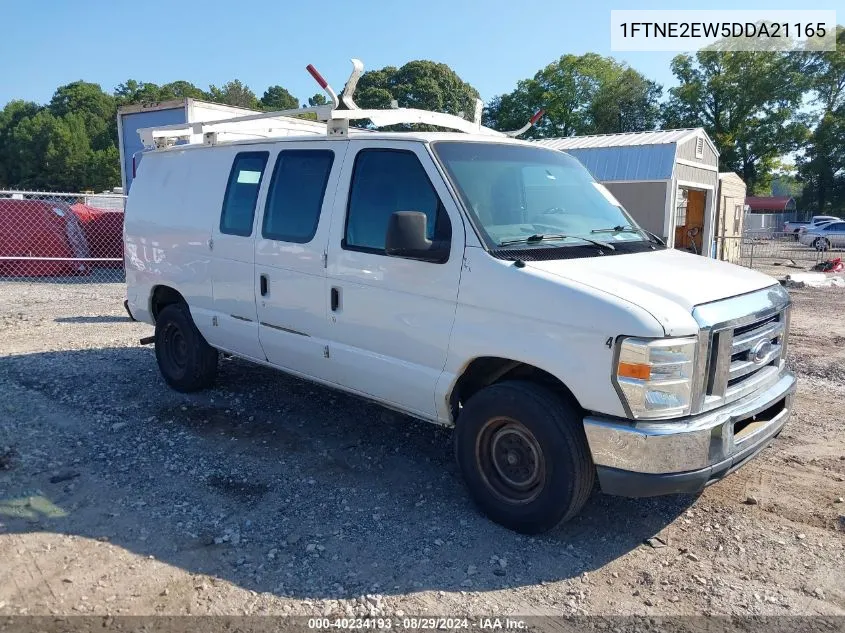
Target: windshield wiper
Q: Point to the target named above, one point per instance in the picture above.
(616, 229)
(630, 229)
(542, 237)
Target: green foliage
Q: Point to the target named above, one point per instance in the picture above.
(278, 98)
(587, 94)
(96, 108)
(10, 117)
(71, 143)
(821, 167)
(418, 84)
(235, 93)
(28, 143)
(317, 100)
(747, 102)
(145, 93)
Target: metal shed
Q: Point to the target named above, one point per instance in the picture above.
(667, 179)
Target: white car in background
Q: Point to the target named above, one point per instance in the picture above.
(797, 228)
(825, 237)
(816, 225)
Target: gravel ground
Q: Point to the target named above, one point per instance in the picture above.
(270, 495)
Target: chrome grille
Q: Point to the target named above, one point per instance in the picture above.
(753, 348)
(743, 341)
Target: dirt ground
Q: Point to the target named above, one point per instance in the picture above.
(268, 495)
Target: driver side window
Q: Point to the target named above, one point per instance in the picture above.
(385, 181)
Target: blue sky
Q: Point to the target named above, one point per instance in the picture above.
(491, 43)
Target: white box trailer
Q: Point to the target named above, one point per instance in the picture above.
(132, 118)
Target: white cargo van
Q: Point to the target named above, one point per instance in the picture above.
(468, 279)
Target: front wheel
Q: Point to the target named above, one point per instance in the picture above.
(186, 361)
(524, 456)
(821, 244)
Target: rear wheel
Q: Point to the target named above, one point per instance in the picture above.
(821, 244)
(186, 361)
(523, 453)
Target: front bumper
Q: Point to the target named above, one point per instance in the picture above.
(644, 459)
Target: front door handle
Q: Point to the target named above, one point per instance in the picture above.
(335, 299)
(263, 284)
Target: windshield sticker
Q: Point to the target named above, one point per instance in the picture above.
(607, 195)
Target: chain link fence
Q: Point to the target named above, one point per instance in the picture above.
(61, 237)
(771, 251)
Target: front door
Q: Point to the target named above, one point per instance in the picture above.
(290, 273)
(391, 317)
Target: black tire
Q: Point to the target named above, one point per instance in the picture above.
(544, 472)
(821, 244)
(186, 361)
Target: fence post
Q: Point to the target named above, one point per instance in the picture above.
(751, 265)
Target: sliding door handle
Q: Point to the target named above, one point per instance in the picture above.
(335, 299)
(263, 283)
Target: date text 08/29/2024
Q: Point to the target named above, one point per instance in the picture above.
(418, 623)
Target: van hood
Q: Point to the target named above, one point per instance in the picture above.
(661, 282)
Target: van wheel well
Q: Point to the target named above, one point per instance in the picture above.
(162, 297)
(487, 370)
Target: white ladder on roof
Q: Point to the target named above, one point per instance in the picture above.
(332, 120)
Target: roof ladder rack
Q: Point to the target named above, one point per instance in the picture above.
(332, 119)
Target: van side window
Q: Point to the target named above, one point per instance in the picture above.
(296, 195)
(385, 181)
(242, 193)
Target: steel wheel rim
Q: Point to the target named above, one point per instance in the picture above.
(175, 347)
(510, 460)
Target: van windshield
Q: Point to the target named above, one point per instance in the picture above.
(533, 196)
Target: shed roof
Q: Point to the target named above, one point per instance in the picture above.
(770, 203)
(638, 156)
(647, 162)
(655, 137)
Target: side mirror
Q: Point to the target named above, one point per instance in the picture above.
(406, 237)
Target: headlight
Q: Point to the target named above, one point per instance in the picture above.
(654, 376)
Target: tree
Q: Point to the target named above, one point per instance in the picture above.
(30, 141)
(317, 100)
(587, 94)
(625, 102)
(747, 102)
(822, 166)
(234, 93)
(10, 117)
(418, 84)
(181, 89)
(68, 154)
(147, 93)
(103, 170)
(278, 98)
(97, 109)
